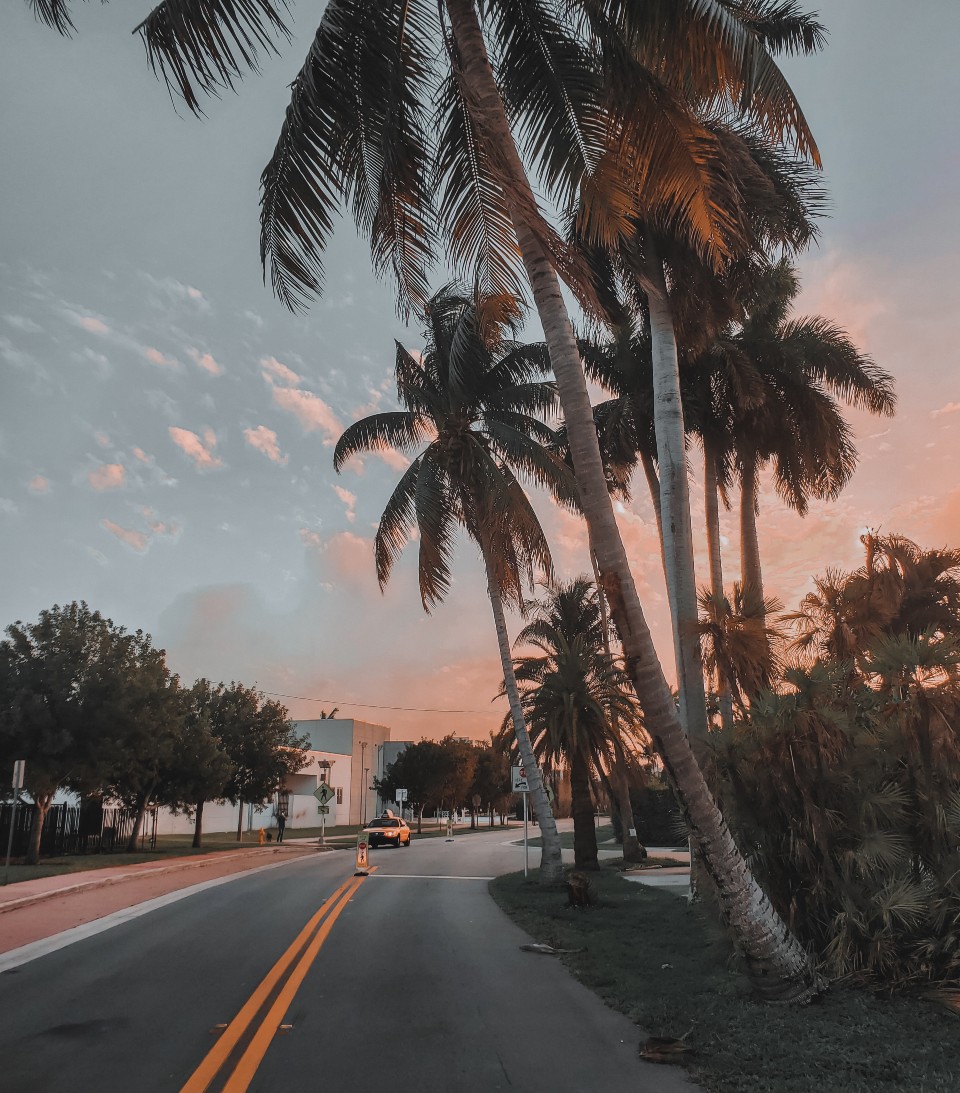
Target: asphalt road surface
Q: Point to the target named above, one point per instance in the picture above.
(306, 978)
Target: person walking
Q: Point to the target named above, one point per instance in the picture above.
(281, 824)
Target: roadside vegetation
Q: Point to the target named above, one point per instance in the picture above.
(666, 964)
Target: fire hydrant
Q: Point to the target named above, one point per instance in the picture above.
(262, 837)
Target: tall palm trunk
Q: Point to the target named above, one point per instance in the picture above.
(711, 502)
(778, 966)
(551, 861)
(750, 573)
(585, 854)
(675, 506)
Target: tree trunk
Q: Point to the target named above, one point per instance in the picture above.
(750, 573)
(675, 524)
(653, 485)
(142, 804)
(633, 850)
(581, 805)
(240, 820)
(551, 863)
(711, 504)
(777, 964)
(41, 807)
(198, 826)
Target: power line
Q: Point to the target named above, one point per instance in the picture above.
(370, 705)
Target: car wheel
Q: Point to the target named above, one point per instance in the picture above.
(407, 843)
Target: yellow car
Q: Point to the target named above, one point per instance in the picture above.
(387, 831)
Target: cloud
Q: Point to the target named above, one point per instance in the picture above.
(312, 539)
(265, 440)
(200, 451)
(310, 410)
(138, 540)
(947, 408)
(108, 476)
(154, 356)
(349, 499)
(17, 357)
(21, 322)
(169, 290)
(39, 484)
(205, 361)
(8, 507)
(274, 371)
(102, 439)
(91, 324)
(142, 455)
(397, 461)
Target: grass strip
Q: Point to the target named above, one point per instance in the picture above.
(668, 966)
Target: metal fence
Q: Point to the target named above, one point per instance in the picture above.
(89, 828)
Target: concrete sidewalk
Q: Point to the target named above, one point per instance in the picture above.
(24, 893)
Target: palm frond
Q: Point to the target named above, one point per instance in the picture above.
(378, 432)
(397, 522)
(436, 514)
(55, 14)
(206, 45)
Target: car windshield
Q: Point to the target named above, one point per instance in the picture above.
(388, 821)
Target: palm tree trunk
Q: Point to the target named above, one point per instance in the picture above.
(711, 503)
(750, 572)
(675, 505)
(581, 805)
(777, 964)
(551, 860)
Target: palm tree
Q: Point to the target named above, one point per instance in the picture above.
(468, 409)
(804, 366)
(358, 133)
(575, 697)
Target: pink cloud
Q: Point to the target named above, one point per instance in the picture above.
(92, 325)
(312, 539)
(395, 460)
(265, 440)
(159, 527)
(108, 476)
(949, 408)
(102, 439)
(200, 451)
(154, 356)
(206, 362)
(39, 484)
(349, 499)
(310, 410)
(135, 539)
(274, 371)
(142, 455)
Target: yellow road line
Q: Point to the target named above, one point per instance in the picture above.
(207, 1070)
(246, 1068)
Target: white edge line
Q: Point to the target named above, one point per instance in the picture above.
(15, 958)
(425, 876)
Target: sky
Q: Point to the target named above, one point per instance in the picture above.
(167, 427)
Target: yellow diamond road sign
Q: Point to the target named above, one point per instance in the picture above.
(323, 793)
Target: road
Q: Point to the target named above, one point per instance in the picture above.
(302, 977)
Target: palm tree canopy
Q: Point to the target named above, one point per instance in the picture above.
(469, 421)
(379, 123)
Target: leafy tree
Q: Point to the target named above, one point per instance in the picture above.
(79, 696)
(468, 415)
(198, 769)
(358, 132)
(492, 781)
(259, 740)
(434, 773)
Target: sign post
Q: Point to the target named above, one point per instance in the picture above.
(324, 794)
(401, 796)
(18, 772)
(520, 785)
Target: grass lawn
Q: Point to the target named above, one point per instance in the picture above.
(604, 834)
(669, 967)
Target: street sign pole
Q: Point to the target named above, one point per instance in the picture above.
(18, 770)
(526, 865)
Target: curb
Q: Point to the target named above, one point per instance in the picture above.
(104, 882)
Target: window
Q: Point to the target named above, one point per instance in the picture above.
(339, 795)
(283, 801)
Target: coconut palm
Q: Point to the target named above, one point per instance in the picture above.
(468, 414)
(359, 133)
(805, 367)
(576, 698)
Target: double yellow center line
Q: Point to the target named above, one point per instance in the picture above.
(242, 1074)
